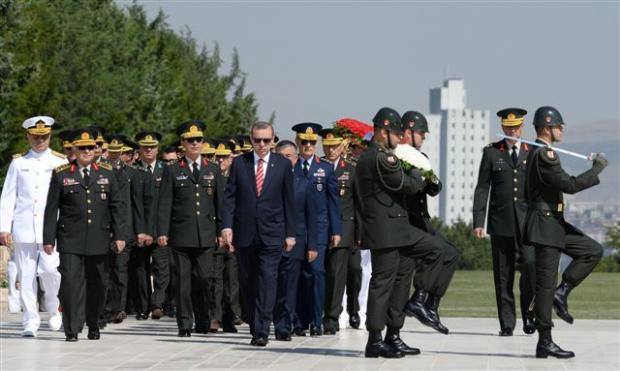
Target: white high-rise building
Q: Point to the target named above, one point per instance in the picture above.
(454, 145)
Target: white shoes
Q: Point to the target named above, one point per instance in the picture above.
(55, 322)
(29, 332)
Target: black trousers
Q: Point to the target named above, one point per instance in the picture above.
(141, 275)
(258, 279)
(436, 279)
(192, 266)
(161, 261)
(82, 290)
(232, 302)
(344, 272)
(390, 280)
(509, 254)
(119, 280)
(215, 275)
(585, 252)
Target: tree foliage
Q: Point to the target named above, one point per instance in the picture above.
(86, 62)
(475, 253)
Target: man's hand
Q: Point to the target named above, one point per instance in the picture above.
(6, 239)
(119, 246)
(599, 162)
(143, 239)
(479, 232)
(162, 241)
(311, 254)
(335, 240)
(227, 239)
(289, 244)
(49, 249)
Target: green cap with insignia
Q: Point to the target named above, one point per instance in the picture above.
(414, 121)
(512, 116)
(388, 118)
(116, 142)
(191, 129)
(547, 116)
(84, 137)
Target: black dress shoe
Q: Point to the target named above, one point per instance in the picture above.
(283, 336)
(71, 337)
(354, 320)
(118, 317)
(142, 316)
(93, 333)
(560, 302)
(528, 326)
(229, 327)
(102, 323)
(381, 349)
(546, 347)
(299, 332)
(315, 331)
(329, 331)
(260, 341)
(185, 333)
(199, 329)
(392, 339)
(415, 307)
(505, 332)
(432, 308)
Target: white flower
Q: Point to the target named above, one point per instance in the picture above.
(412, 157)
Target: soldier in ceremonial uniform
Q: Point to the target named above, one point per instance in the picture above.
(21, 223)
(100, 143)
(67, 149)
(430, 285)
(343, 262)
(502, 175)
(311, 298)
(84, 208)
(548, 231)
(394, 243)
(190, 202)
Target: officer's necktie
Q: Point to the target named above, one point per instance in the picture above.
(306, 166)
(514, 155)
(150, 169)
(195, 171)
(86, 176)
(260, 178)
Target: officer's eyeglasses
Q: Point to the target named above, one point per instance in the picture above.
(193, 140)
(308, 142)
(86, 148)
(261, 140)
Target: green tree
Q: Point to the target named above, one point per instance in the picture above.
(475, 254)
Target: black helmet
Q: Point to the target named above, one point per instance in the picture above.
(388, 118)
(415, 121)
(547, 116)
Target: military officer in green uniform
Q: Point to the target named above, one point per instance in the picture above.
(190, 202)
(84, 208)
(343, 262)
(550, 233)
(501, 182)
(394, 243)
(430, 285)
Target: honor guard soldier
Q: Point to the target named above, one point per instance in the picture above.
(501, 182)
(343, 262)
(83, 215)
(548, 231)
(21, 223)
(394, 243)
(430, 286)
(329, 228)
(190, 202)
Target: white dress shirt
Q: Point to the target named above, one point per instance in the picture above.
(24, 195)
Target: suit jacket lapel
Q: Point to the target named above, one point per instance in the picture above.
(269, 174)
(249, 167)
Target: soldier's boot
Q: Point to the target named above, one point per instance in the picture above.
(392, 338)
(560, 301)
(546, 347)
(376, 347)
(432, 308)
(415, 307)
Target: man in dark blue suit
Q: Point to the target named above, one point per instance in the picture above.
(305, 247)
(320, 173)
(258, 224)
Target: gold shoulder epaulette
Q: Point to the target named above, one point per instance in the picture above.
(58, 154)
(18, 155)
(105, 165)
(62, 167)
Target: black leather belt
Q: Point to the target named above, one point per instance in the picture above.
(556, 208)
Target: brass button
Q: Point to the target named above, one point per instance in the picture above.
(88, 191)
(515, 171)
(89, 221)
(516, 180)
(197, 194)
(515, 189)
(197, 203)
(197, 212)
(88, 201)
(89, 211)
(197, 185)
(515, 198)
(547, 213)
(421, 201)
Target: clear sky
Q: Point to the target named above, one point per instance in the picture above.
(323, 60)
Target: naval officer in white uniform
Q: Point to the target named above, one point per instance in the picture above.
(22, 205)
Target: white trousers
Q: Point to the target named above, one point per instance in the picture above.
(11, 271)
(31, 263)
(363, 295)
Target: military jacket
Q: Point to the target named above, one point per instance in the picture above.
(505, 182)
(345, 174)
(546, 184)
(83, 218)
(189, 208)
(151, 194)
(417, 204)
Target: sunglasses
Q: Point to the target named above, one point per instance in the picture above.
(86, 148)
(261, 140)
(306, 142)
(193, 140)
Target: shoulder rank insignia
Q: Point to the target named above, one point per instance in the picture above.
(18, 155)
(58, 154)
(62, 167)
(105, 165)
